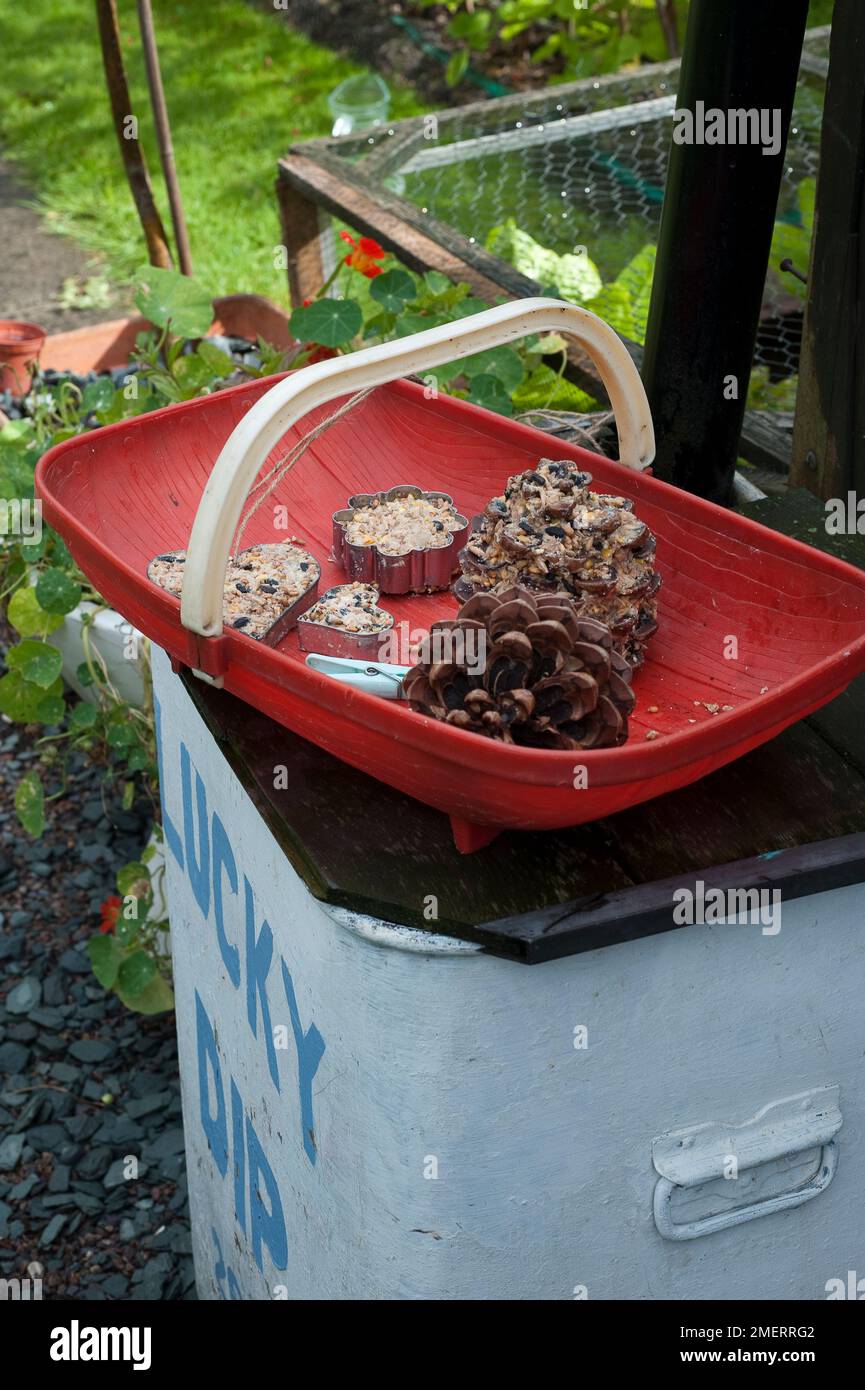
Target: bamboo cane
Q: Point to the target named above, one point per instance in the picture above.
(163, 134)
(134, 161)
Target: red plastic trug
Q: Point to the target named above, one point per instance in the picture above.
(761, 628)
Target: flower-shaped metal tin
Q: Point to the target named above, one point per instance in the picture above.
(417, 571)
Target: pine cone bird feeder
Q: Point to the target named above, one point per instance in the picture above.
(548, 677)
(549, 533)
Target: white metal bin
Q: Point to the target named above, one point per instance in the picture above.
(376, 1111)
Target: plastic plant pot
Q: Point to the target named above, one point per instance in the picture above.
(20, 346)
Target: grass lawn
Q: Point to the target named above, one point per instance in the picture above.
(240, 86)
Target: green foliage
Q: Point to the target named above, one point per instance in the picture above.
(40, 585)
(397, 303)
(175, 303)
(764, 394)
(576, 39)
(105, 954)
(330, 322)
(393, 290)
(39, 580)
(157, 997)
(546, 389)
(622, 302)
(57, 592)
(93, 293)
(576, 277)
(128, 955)
(456, 67)
(487, 390)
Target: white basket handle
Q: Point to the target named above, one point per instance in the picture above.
(278, 409)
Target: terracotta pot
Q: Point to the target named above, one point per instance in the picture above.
(104, 345)
(20, 345)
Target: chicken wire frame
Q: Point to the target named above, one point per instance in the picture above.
(385, 182)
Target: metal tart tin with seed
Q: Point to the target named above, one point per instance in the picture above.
(291, 616)
(418, 571)
(283, 624)
(327, 640)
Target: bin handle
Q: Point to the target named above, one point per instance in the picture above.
(662, 1202)
(289, 400)
(685, 1159)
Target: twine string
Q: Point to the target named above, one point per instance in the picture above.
(273, 477)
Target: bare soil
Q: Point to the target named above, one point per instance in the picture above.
(34, 263)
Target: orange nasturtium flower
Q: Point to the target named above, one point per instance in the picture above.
(364, 255)
(110, 911)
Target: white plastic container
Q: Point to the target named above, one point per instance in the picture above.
(115, 639)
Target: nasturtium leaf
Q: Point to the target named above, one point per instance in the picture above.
(83, 716)
(155, 998)
(130, 875)
(379, 326)
(437, 282)
(120, 736)
(173, 301)
(30, 804)
(22, 652)
(330, 322)
(416, 323)
(469, 306)
(504, 363)
(37, 550)
(126, 929)
(51, 709)
(393, 290)
(83, 674)
(27, 615)
(136, 972)
(57, 592)
(37, 661)
(60, 551)
(488, 391)
(105, 954)
(19, 698)
(16, 482)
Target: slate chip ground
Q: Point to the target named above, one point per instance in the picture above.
(84, 1084)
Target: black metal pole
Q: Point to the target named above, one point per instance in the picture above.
(733, 107)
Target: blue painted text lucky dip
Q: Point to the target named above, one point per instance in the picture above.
(203, 850)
